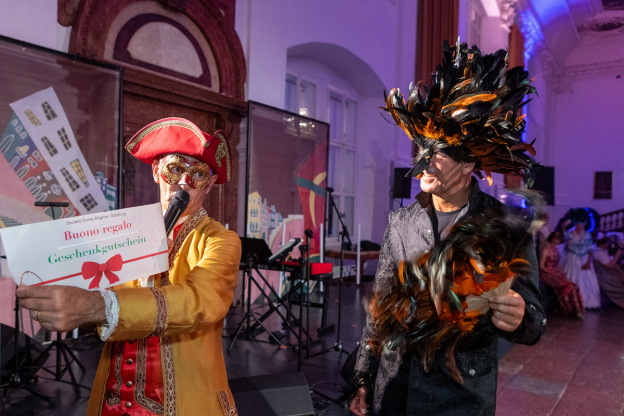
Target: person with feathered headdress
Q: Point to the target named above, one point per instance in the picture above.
(456, 270)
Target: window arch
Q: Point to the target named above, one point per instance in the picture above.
(6, 143)
(162, 44)
(210, 22)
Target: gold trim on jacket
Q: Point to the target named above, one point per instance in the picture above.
(203, 274)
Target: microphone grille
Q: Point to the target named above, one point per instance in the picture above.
(180, 199)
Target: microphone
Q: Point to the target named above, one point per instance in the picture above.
(330, 190)
(176, 207)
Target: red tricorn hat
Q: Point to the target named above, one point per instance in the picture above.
(178, 135)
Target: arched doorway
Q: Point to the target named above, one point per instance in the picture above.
(346, 92)
(180, 58)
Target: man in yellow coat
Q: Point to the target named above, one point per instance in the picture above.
(163, 353)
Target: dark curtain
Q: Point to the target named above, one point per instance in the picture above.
(516, 47)
(516, 58)
(437, 22)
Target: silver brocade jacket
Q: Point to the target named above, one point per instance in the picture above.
(401, 386)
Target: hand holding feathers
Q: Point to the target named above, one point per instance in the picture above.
(508, 311)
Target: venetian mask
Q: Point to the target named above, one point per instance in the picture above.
(174, 167)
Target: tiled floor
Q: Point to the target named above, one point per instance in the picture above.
(576, 369)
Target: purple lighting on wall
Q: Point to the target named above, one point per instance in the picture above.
(532, 33)
(549, 11)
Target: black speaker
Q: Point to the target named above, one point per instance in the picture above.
(402, 188)
(545, 182)
(30, 358)
(272, 395)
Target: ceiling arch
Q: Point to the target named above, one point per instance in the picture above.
(564, 26)
(344, 63)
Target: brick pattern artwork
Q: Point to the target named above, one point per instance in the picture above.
(49, 112)
(70, 179)
(64, 138)
(49, 146)
(31, 167)
(40, 139)
(88, 202)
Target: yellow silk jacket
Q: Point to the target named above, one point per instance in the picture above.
(186, 309)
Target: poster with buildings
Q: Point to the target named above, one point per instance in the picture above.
(51, 137)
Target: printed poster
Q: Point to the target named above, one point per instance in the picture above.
(43, 119)
(31, 168)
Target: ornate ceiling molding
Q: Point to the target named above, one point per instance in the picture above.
(593, 69)
(67, 11)
(592, 24)
(561, 80)
(508, 11)
(603, 26)
(551, 70)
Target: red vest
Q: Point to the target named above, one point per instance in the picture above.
(135, 381)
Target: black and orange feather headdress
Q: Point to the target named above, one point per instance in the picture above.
(472, 113)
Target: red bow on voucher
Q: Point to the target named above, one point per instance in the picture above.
(94, 270)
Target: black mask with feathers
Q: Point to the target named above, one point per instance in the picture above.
(472, 113)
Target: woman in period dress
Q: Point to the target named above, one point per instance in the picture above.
(569, 298)
(579, 267)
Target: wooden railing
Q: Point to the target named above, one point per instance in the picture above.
(612, 221)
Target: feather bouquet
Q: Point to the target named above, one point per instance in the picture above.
(438, 299)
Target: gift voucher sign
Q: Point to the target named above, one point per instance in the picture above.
(90, 251)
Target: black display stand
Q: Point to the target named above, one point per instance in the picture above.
(62, 350)
(255, 253)
(344, 234)
(249, 315)
(20, 379)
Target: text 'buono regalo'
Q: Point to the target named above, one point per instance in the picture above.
(89, 233)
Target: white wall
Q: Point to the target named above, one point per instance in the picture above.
(381, 34)
(588, 137)
(367, 28)
(536, 111)
(599, 52)
(493, 35)
(33, 21)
